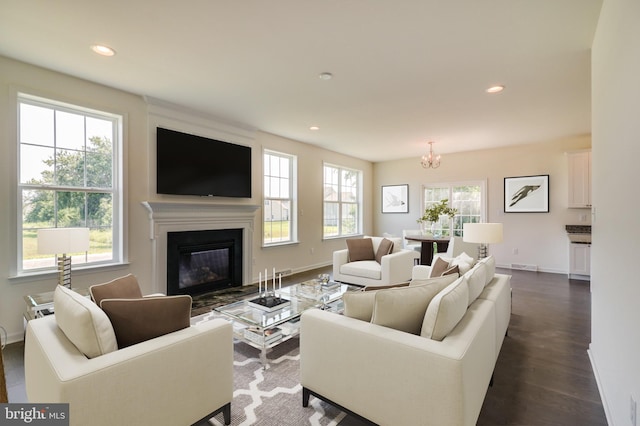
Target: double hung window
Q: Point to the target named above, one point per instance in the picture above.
(342, 214)
(279, 224)
(68, 176)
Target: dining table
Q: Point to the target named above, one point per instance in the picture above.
(427, 243)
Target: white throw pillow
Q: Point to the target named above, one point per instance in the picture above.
(464, 262)
(403, 308)
(475, 279)
(446, 310)
(84, 323)
(490, 263)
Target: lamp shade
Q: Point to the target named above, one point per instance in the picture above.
(63, 240)
(483, 233)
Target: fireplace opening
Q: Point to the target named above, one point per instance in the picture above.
(203, 261)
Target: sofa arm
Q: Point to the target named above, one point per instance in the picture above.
(361, 366)
(177, 378)
(396, 267)
(340, 257)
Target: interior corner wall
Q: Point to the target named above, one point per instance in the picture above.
(539, 238)
(615, 340)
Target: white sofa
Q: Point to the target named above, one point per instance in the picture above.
(178, 378)
(393, 268)
(392, 377)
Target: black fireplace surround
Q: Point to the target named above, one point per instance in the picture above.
(203, 261)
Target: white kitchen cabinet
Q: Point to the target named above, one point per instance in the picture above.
(579, 179)
(580, 261)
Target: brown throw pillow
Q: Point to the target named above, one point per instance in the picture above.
(360, 249)
(384, 248)
(137, 320)
(121, 288)
(438, 266)
(452, 270)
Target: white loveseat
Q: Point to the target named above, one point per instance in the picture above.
(393, 377)
(393, 268)
(179, 378)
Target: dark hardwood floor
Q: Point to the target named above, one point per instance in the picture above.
(543, 375)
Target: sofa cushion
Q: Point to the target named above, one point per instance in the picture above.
(126, 287)
(363, 268)
(84, 323)
(360, 249)
(137, 320)
(490, 263)
(463, 261)
(476, 281)
(446, 310)
(384, 248)
(359, 304)
(404, 308)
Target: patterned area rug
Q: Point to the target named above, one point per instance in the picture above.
(273, 397)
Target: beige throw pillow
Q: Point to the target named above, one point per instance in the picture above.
(384, 248)
(445, 279)
(359, 304)
(404, 308)
(360, 249)
(446, 310)
(137, 320)
(463, 261)
(126, 287)
(84, 323)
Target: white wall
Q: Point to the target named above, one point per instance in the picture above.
(615, 339)
(311, 251)
(540, 238)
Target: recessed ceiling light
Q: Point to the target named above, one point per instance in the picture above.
(103, 50)
(314, 128)
(495, 89)
(325, 76)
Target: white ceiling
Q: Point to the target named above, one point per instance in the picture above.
(405, 71)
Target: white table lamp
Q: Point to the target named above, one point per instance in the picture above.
(63, 241)
(483, 233)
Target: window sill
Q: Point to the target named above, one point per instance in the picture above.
(287, 243)
(77, 271)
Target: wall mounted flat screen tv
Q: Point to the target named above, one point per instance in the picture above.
(195, 165)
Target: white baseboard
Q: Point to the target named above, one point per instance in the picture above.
(605, 406)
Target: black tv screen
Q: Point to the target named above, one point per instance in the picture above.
(195, 165)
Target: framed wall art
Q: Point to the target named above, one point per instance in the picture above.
(526, 194)
(395, 199)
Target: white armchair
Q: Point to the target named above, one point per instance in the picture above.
(393, 268)
(179, 378)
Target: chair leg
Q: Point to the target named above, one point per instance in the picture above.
(226, 414)
(305, 397)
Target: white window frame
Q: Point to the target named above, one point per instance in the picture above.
(292, 198)
(342, 204)
(116, 189)
(450, 185)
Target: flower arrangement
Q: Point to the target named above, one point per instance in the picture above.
(433, 213)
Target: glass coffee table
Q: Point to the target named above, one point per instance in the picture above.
(265, 329)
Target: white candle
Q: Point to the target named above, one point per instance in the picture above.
(260, 282)
(274, 280)
(280, 282)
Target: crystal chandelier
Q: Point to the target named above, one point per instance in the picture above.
(430, 160)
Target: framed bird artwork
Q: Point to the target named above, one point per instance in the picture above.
(526, 194)
(395, 199)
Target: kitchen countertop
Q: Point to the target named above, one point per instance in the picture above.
(579, 234)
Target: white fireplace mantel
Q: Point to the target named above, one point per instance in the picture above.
(165, 217)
